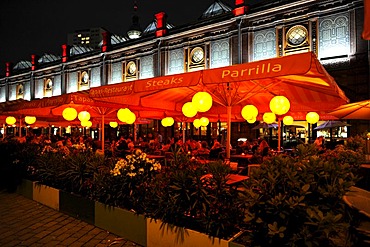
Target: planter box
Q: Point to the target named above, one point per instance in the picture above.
(26, 188)
(166, 236)
(77, 206)
(46, 195)
(121, 222)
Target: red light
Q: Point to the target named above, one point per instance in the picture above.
(160, 33)
(64, 53)
(7, 72)
(239, 11)
(160, 17)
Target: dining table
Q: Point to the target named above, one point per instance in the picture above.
(234, 179)
(154, 156)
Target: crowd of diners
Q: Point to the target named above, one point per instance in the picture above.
(152, 143)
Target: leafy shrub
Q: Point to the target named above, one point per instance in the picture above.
(17, 160)
(297, 201)
(197, 197)
(128, 181)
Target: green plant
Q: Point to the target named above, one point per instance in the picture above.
(129, 181)
(297, 201)
(198, 198)
(17, 161)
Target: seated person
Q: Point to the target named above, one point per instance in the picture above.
(215, 151)
(203, 150)
(263, 148)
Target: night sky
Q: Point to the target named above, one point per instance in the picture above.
(41, 26)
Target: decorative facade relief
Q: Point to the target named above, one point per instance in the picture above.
(72, 85)
(264, 44)
(116, 73)
(27, 90)
(334, 36)
(176, 61)
(57, 89)
(39, 88)
(95, 77)
(220, 53)
(146, 67)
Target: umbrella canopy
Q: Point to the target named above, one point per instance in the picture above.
(264, 125)
(331, 124)
(307, 86)
(356, 110)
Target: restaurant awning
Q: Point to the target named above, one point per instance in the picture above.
(300, 77)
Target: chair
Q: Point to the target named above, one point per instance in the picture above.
(252, 168)
(204, 156)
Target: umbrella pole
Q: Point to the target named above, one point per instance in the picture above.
(102, 134)
(183, 132)
(279, 133)
(228, 138)
(331, 136)
(20, 127)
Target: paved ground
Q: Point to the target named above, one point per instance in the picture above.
(24, 222)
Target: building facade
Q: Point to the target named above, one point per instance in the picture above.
(223, 36)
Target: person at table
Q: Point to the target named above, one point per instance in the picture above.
(166, 146)
(216, 149)
(263, 148)
(177, 145)
(319, 142)
(203, 150)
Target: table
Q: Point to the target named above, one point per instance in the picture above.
(156, 157)
(233, 179)
(241, 156)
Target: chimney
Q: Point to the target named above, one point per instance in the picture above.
(240, 8)
(8, 69)
(34, 62)
(161, 24)
(65, 53)
(106, 42)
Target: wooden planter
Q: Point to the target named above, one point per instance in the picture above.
(166, 236)
(124, 223)
(25, 188)
(77, 206)
(121, 222)
(46, 195)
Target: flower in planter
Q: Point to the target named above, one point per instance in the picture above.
(136, 164)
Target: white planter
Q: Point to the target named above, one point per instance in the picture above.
(167, 236)
(46, 195)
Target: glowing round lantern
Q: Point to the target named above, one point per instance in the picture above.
(197, 123)
(164, 122)
(30, 119)
(279, 105)
(131, 118)
(251, 120)
(170, 121)
(202, 101)
(204, 121)
(10, 120)
(288, 120)
(69, 113)
(84, 116)
(249, 112)
(87, 124)
(269, 117)
(113, 124)
(123, 114)
(312, 117)
(189, 110)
